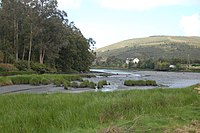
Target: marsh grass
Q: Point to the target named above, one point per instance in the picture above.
(140, 83)
(101, 84)
(36, 79)
(130, 111)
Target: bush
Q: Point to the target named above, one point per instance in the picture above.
(74, 85)
(83, 85)
(22, 65)
(58, 83)
(151, 83)
(34, 81)
(39, 68)
(7, 67)
(45, 81)
(66, 85)
(21, 79)
(101, 84)
(88, 84)
(16, 73)
(5, 81)
(140, 83)
(162, 66)
(92, 85)
(129, 82)
(88, 76)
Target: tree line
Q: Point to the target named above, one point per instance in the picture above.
(37, 31)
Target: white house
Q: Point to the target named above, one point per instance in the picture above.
(172, 66)
(136, 61)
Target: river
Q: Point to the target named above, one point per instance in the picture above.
(116, 80)
(164, 79)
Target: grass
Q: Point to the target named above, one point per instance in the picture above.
(101, 84)
(140, 83)
(36, 79)
(16, 73)
(155, 110)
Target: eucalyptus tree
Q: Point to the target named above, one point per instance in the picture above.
(36, 30)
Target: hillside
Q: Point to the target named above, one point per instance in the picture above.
(154, 47)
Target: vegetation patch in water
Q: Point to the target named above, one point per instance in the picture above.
(101, 84)
(140, 83)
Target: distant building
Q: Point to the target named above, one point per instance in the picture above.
(136, 61)
(172, 66)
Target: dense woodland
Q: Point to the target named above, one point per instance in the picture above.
(36, 32)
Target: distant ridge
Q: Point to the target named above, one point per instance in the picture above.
(157, 46)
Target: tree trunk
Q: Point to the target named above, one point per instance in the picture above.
(30, 45)
(42, 55)
(23, 54)
(17, 41)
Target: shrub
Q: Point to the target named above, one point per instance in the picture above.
(162, 66)
(101, 84)
(106, 74)
(16, 73)
(39, 68)
(21, 79)
(7, 67)
(88, 84)
(92, 85)
(88, 75)
(140, 83)
(58, 83)
(5, 81)
(66, 85)
(74, 85)
(45, 81)
(151, 83)
(84, 84)
(34, 81)
(22, 65)
(129, 82)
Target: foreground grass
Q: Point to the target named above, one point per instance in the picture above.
(155, 110)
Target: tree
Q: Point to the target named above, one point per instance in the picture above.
(37, 31)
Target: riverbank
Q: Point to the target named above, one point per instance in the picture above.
(157, 110)
(115, 78)
(167, 79)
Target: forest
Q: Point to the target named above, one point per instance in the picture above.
(35, 33)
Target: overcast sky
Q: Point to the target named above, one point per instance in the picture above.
(110, 21)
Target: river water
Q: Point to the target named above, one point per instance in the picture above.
(116, 80)
(163, 79)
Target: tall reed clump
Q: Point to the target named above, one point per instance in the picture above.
(140, 83)
(4, 81)
(21, 79)
(87, 83)
(36, 79)
(101, 84)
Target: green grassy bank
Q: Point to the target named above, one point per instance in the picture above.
(38, 79)
(155, 110)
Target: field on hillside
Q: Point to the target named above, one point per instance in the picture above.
(158, 110)
(154, 47)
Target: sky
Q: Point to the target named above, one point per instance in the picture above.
(111, 21)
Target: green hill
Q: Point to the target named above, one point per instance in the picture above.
(154, 47)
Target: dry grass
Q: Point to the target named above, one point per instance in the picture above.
(197, 88)
(111, 129)
(194, 127)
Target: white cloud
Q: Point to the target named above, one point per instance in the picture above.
(69, 4)
(143, 4)
(191, 25)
